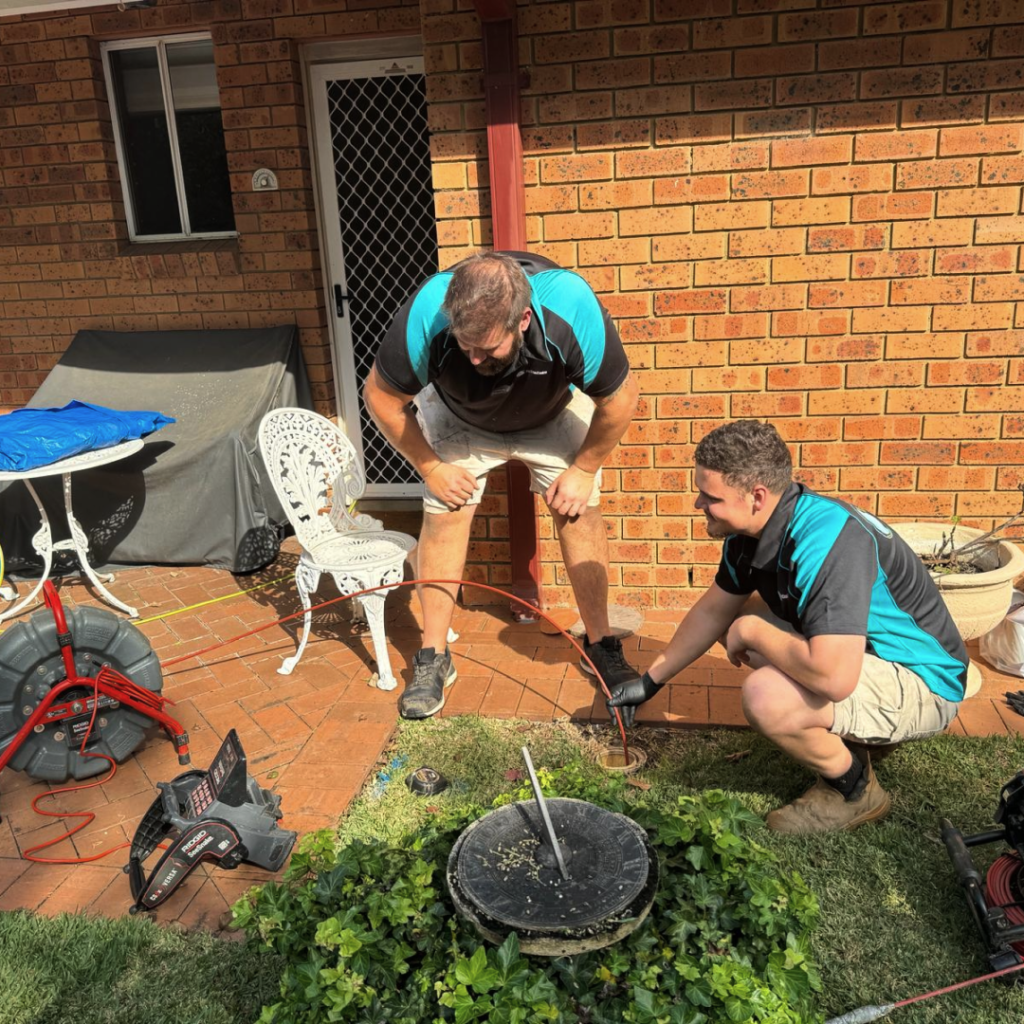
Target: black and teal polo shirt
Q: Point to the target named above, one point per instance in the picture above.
(826, 567)
(571, 343)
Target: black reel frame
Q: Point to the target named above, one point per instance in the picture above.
(221, 814)
(997, 932)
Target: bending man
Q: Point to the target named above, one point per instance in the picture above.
(847, 635)
(508, 357)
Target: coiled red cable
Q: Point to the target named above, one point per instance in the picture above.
(1002, 888)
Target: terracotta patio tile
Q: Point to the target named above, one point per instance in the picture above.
(539, 699)
(236, 691)
(314, 718)
(281, 723)
(206, 908)
(195, 683)
(465, 695)
(11, 869)
(8, 846)
(575, 695)
(502, 697)
(36, 884)
(656, 710)
(690, 705)
(1014, 723)
(980, 718)
(352, 741)
(303, 801)
(273, 755)
(724, 707)
(82, 888)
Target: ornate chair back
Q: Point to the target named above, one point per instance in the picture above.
(316, 473)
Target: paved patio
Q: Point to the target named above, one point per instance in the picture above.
(316, 736)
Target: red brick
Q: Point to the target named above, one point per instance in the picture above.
(844, 349)
(922, 346)
(725, 272)
(817, 25)
(975, 317)
(848, 294)
(932, 233)
(859, 53)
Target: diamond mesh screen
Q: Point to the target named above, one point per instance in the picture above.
(388, 233)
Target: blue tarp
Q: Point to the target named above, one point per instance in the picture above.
(37, 437)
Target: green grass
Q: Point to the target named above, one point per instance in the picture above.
(894, 922)
(80, 970)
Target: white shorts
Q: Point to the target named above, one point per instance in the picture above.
(547, 450)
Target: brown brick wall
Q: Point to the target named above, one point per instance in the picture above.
(807, 211)
(65, 261)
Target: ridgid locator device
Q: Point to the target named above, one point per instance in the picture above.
(221, 815)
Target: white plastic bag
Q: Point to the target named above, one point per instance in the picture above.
(1003, 647)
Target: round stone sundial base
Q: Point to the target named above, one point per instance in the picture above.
(504, 877)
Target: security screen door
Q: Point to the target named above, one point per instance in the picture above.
(373, 156)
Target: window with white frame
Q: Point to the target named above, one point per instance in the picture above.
(169, 136)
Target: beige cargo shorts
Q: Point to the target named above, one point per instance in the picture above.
(547, 451)
(891, 704)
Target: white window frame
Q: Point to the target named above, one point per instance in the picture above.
(159, 43)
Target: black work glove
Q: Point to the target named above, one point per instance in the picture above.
(630, 695)
(1015, 700)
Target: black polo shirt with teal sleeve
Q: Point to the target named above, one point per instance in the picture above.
(826, 567)
(571, 342)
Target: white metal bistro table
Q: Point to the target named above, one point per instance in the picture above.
(78, 542)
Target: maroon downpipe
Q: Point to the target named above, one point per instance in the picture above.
(500, 42)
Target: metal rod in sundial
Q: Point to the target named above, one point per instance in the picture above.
(552, 838)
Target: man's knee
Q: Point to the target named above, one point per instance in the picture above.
(774, 704)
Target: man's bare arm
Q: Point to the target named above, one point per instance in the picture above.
(703, 625)
(391, 411)
(828, 665)
(612, 416)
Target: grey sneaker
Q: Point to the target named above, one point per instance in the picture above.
(607, 655)
(431, 673)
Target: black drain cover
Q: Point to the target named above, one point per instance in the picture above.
(504, 878)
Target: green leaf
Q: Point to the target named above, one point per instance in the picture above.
(476, 973)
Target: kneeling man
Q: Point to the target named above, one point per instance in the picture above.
(847, 635)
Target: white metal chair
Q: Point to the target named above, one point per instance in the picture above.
(317, 476)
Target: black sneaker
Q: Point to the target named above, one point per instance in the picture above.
(607, 655)
(431, 673)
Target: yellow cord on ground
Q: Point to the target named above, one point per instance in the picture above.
(212, 600)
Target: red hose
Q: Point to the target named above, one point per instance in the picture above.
(412, 583)
(1003, 890)
(88, 816)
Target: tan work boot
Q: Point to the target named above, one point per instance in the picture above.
(823, 809)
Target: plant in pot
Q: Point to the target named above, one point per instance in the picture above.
(974, 571)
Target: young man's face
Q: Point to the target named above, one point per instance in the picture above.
(726, 509)
(492, 354)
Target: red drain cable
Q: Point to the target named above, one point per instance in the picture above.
(89, 816)
(1000, 882)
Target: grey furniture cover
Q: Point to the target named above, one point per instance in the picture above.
(197, 493)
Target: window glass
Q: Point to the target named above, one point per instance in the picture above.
(145, 141)
(166, 165)
(204, 161)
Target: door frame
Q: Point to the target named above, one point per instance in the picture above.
(320, 64)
